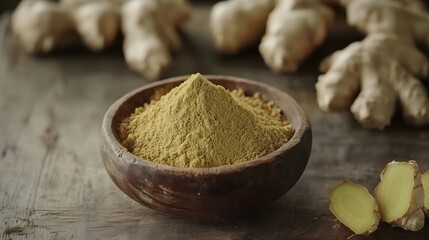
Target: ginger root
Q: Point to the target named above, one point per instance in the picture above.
(97, 23)
(42, 26)
(150, 33)
(400, 195)
(294, 29)
(425, 183)
(354, 207)
(237, 24)
(384, 67)
(405, 18)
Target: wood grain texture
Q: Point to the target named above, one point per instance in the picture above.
(53, 184)
(206, 193)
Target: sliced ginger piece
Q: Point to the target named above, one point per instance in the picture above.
(400, 195)
(425, 183)
(354, 207)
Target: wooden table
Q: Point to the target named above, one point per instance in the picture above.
(52, 180)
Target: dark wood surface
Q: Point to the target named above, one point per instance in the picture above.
(53, 184)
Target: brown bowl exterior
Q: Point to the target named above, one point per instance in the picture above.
(206, 193)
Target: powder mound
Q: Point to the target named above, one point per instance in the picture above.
(200, 124)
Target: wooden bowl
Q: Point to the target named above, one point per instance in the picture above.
(206, 193)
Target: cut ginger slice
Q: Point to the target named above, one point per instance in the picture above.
(425, 183)
(354, 207)
(400, 195)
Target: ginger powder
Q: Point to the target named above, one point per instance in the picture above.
(200, 124)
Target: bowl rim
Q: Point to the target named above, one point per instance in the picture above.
(125, 155)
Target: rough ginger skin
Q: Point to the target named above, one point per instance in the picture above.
(97, 23)
(42, 26)
(237, 24)
(387, 16)
(150, 33)
(294, 29)
(382, 67)
(416, 5)
(149, 28)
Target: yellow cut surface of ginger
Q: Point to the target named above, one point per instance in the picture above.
(399, 200)
(354, 206)
(400, 195)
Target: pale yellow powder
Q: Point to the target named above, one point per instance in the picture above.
(199, 124)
